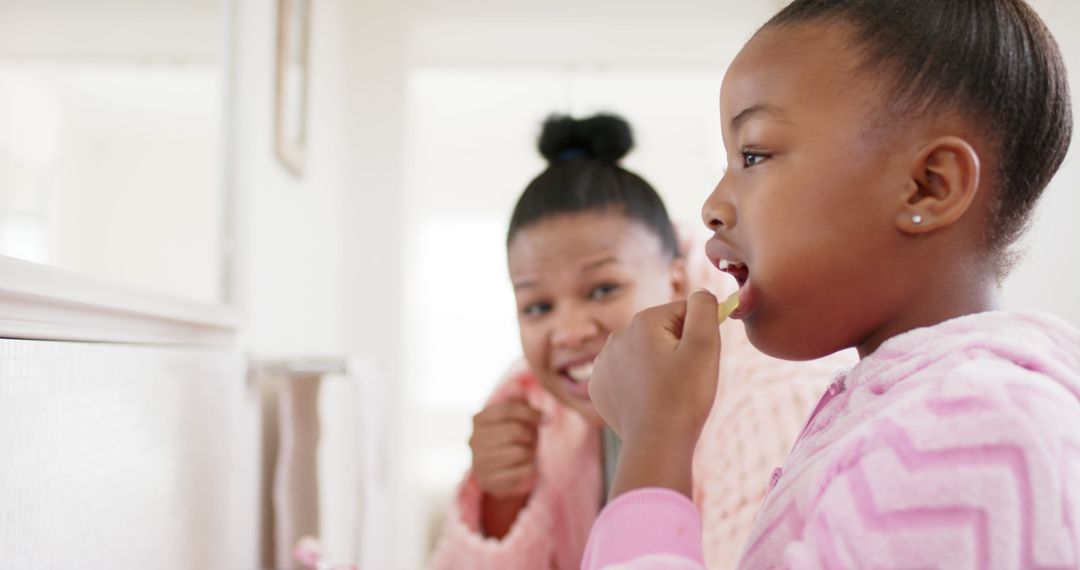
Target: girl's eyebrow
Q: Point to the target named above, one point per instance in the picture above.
(756, 110)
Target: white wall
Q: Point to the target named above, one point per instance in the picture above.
(289, 283)
(110, 127)
(292, 236)
(139, 176)
(181, 478)
(125, 457)
(374, 69)
(111, 30)
(1049, 276)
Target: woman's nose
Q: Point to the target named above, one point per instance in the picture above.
(574, 331)
(719, 211)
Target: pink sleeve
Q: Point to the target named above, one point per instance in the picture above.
(462, 545)
(646, 528)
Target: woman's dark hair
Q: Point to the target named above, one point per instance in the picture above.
(583, 175)
(993, 61)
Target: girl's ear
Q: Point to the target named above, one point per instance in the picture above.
(944, 181)
(679, 281)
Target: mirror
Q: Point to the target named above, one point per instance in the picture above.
(111, 140)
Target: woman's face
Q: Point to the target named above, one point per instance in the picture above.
(577, 278)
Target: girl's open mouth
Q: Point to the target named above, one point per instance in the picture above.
(739, 271)
(727, 259)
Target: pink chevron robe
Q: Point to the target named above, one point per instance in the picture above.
(954, 446)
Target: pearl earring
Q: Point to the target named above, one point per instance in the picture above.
(916, 219)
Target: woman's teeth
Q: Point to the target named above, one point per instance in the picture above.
(580, 373)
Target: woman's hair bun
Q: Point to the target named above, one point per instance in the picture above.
(603, 136)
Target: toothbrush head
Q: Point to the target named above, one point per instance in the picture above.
(727, 307)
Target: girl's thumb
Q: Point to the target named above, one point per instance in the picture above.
(700, 328)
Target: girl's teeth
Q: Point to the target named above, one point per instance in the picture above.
(581, 373)
(725, 265)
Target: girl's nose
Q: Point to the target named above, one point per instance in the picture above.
(719, 211)
(574, 331)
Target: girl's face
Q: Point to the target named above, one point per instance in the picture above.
(577, 278)
(806, 209)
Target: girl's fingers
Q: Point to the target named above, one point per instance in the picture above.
(599, 389)
(700, 328)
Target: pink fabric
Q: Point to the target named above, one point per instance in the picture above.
(551, 530)
(732, 469)
(676, 532)
(749, 433)
(955, 446)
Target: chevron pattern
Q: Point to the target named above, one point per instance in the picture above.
(1006, 496)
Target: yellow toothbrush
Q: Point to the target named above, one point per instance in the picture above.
(727, 307)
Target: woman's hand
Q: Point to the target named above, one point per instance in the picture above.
(503, 447)
(655, 383)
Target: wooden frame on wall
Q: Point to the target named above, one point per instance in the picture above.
(291, 85)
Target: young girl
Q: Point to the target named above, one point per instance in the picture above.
(884, 155)
(590, 244)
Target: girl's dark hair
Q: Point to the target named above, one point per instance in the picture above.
(583, 175)
(993, 61)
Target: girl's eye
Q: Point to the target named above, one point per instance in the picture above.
(751, 159)
(536, 309)
(602, 291)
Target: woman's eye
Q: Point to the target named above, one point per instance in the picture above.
(536, 309)
(602, 291)
(751, 159)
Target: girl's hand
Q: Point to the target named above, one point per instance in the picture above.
(503, 447)
(655, 383)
